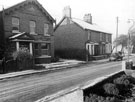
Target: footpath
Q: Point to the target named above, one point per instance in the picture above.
(63, 64)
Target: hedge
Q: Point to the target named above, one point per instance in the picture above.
(79, 54)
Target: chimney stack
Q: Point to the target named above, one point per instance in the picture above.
(67, 12)
(88, 18)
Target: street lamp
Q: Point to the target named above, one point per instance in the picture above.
(129, 35)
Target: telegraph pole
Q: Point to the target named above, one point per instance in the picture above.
(117, 21)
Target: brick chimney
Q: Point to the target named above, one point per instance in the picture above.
(88, 18)
(67, 12)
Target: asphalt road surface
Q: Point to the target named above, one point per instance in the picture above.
(33, 87)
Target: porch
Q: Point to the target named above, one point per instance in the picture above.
(98, 51)
(39, 49)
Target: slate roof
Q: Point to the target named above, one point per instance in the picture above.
(85, 25)
(89, 26)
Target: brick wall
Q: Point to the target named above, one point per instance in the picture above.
(25, 15)
(70, 36)
(95, 36)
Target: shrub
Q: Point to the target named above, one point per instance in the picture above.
(86, 99)
(55, 59)
(111, 89)
(129, 65)
(24, 59)
(123, 80)
(123, 85)
(22, 54)
(131, 79)
(79, 54)
(97, 98)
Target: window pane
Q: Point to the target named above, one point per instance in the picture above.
(32, 24)
(15, 24)
(106, 37)
(36, 45)
(32, 27)
(44, 46)
(15, 27)
(15, 21)
(46, 27)
(100, 36)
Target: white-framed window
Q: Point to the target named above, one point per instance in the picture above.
(44, 46)
(107, 38)
(101, 34)
(32, 27)
(46, 28)
(89, 35)
(15, 24)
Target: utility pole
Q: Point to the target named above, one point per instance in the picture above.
(117, 21)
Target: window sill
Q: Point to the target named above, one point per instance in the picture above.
(33, 33)
(15, 31)
(44, 49)
(47, 35)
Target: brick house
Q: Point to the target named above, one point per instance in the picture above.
(80, 36)
(27, 25)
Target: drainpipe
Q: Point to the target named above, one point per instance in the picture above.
(87, 55)
(3, 20)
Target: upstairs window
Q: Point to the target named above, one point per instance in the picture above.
(46, 28)
(89, 35)
(107, 38)
(32, 27)
(101, 36)
(15, 25)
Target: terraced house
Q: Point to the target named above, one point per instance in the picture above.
(27, 25)
(74, 38)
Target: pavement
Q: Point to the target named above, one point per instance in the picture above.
(47, 67)
(63, 64)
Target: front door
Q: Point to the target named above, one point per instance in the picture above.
(96, 50)
(24, 45)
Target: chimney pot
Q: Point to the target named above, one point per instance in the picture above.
(67, 12)
(88, 18)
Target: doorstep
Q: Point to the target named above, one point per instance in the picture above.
(43, 59)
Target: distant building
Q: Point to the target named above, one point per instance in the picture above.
(27, 25)
(74, 36)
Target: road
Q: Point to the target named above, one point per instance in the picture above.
(34, 87)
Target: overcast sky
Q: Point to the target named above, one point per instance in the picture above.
(104, 12)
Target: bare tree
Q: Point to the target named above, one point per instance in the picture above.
(121, 40)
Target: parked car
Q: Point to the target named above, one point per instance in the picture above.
(116, 56)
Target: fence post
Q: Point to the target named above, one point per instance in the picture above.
(123, 65)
